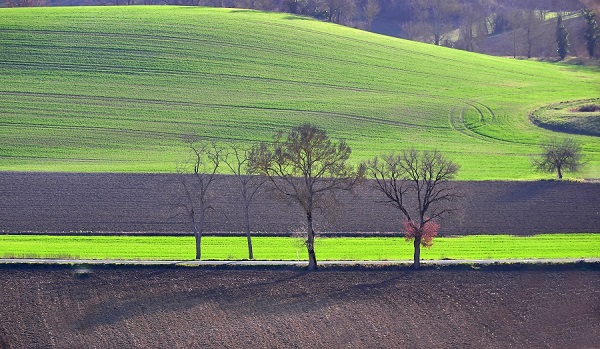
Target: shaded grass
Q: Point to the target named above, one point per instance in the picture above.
(578, 117)
(113, 89)
(287, 248)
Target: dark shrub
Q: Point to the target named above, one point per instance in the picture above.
(589, 108)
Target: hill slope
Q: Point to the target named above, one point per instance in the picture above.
(115, 88)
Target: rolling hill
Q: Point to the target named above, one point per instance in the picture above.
(114, 89)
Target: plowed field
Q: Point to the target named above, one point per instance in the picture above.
(54, 307)
(57, 202)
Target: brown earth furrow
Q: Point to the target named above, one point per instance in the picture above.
(75, 202)
(289, 308)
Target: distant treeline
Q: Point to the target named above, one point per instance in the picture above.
(500, 27)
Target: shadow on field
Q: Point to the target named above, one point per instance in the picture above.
(226, 296)
(295, 292)
(525, 191)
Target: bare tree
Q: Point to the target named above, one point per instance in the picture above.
(306, 166)
(417, 184)
(531, 25)
(438, 15)
(339, 10)
(558, 156)
(515, 21)
(476, 22)
(371, 9)
(24, 3)
(195, 184)
(592, 5)
(238, 163)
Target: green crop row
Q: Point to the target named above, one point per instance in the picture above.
(288, 248)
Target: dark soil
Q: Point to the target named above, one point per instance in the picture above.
(589, 108)
(75, 203)
(62, 307)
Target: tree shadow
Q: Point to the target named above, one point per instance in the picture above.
(114, 310)
(295, 293)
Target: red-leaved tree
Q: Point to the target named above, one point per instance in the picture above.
(423, 235)
(417, 184)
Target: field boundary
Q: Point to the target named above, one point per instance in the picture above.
(264, 263)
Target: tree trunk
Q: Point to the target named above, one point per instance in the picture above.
(559, 174)
(529, 42)
(417, 255)
(310, 243)
(198, 237)
(198, 234)
(247, 223)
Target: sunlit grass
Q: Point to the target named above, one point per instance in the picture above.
(287, 248)
(113, 89)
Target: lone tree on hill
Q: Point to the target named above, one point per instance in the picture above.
(237, 160)
(562, 38)
(195, 180)
(306, 166)
(559, 155)
(417, 184)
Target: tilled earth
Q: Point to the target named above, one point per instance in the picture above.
(75, 202)
(70, 307)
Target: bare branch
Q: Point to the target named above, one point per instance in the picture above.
(306, 166)
(558, 156)
(416, 183)
(195, 178)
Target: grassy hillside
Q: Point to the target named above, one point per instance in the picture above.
(115, 88)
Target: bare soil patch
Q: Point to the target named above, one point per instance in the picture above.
(57, 307)
(588, 108)
(76, 203)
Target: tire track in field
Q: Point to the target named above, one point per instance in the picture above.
(457, 119)
(486, 116)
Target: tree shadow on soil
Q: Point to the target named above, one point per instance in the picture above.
(291, 294)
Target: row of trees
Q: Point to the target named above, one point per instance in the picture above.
(467, 24)
(308, 168)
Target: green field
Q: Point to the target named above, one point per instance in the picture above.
(568, 117)
(287, 248)
(113, 89)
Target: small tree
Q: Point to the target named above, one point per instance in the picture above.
(195, 183)
(531, 25)
(371, 9)
(592, 31)
(438, 16)
(306, 166)
(417, 184)
(562, 38)
(558, 156)
(237, 162)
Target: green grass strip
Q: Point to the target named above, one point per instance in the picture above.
(288, 248)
